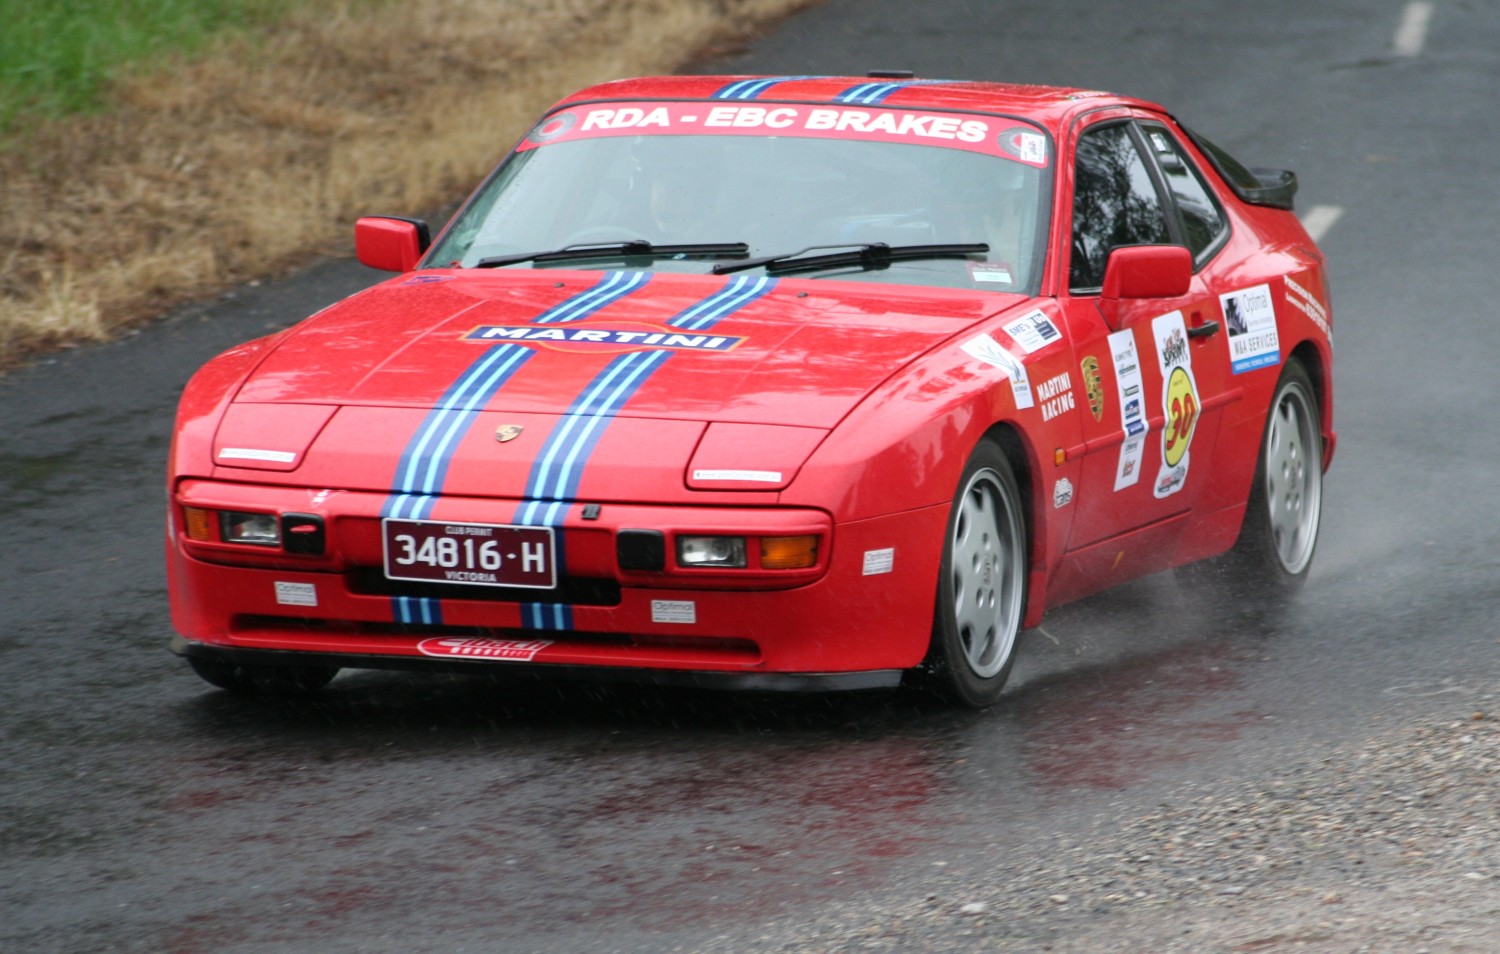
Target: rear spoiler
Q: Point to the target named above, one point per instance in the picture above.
(1273, 188)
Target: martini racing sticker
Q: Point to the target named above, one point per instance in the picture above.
(1179, 399)
(1253, 342)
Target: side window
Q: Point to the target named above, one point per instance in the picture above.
(1202, 221)
(1114, 203)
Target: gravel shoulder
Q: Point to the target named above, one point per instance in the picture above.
(1393, 845)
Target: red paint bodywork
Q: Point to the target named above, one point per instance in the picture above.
(845, 411)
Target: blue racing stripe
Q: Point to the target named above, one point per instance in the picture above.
(868, 94)
(424, 463)
(738, 293)
(423, 467)
(558, 470)
(612, 287)
(754, 88)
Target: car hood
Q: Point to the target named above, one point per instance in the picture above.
(728, 381)
(733, 348)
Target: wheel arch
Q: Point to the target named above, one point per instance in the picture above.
(1025, 465)
(1316, 363)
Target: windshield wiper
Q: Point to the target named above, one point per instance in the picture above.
(868, 256)
(631, 249)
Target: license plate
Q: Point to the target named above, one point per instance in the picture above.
(473, 554)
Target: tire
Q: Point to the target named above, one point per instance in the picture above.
(253, 680)
(1270, 560)
(981, 584)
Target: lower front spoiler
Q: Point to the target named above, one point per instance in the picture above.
(734, 681)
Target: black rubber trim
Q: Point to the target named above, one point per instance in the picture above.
(736, 681)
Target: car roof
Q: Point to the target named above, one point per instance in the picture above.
(1047, 105)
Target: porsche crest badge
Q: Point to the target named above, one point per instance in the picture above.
(506, 433)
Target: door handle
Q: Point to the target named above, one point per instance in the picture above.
(1206, 330)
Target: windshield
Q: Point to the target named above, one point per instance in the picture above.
(778, 194)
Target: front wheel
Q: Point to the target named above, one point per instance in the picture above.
(982, 583)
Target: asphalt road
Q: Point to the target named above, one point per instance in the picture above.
(142, 811)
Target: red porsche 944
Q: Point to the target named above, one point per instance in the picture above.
(768, 382)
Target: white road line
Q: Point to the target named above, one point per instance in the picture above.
(1319, 219)
(1411, 35)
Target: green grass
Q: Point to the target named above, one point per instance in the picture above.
(56, 56)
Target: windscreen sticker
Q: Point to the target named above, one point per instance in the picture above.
(990, 272)
(990, 351)
(1033, 331)
(1132, 409)
(966, 131)
(1253, 342)
(1307, 303)
(1179, 399)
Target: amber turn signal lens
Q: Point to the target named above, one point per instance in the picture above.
(788, 553)
(199, 523)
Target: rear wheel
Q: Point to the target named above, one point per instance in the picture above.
(981, 584)
(1275, 548)
(248, 679)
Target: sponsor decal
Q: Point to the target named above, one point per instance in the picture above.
(1127, 363)
(1025, 144)
(1062, 493)
(990, 272)
(256, 453)
(1033, 331)
(991, 352)
(879, 561)
(296, 594)
(674, 611)
(1251, 318)
(1056, 395)
(1179, 398)
(506, 650)
(594, 338)
(729, 114)
(1307, 303)
(1093, 386)
(756, 476)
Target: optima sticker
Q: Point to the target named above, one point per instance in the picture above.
(1253, 342)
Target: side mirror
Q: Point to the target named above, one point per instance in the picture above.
(390, 243)
(1147, 271)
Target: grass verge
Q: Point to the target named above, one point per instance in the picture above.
(258, 153)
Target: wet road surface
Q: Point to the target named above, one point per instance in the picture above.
(142, 811)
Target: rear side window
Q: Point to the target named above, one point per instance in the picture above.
(1203, 222)
(1115, 203)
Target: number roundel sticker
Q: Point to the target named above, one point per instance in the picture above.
(1179, 398)
(1182, 416)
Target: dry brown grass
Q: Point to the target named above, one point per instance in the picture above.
(263, 153)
